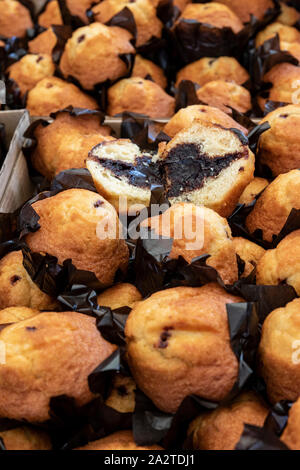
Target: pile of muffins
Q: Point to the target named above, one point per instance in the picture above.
(73, 300)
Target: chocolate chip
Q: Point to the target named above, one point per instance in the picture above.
(212, 61)
(49, 85)
(98, 203)
(241, 169)
(39, 59)
(122, 391)
(81, 38)
(284, 116)
(14, 279)
(31, 328)
(165, 335)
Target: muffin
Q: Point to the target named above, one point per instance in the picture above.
(120, 295)
(79, 8)
(43, 43)
(208, 165)
(291, 434)
(285, 33)
(288, 16)
(17, 288)
(214, 14)
(51, 15)
(272, 209)
(185, 116)
(52, 94)
(48, 355)
(281, 265)
(244, 10)
(144, 68)
(66, 142)
(144, 13)
(279, 353)
(253, 189)
(120, 171)
(122, 396)
(222, 428)
(121, 440)
(80, 225)
(285, 79)
(178, 344)
(198, 231)
(209, 69)
(30, 70)
(14, 19)
(92, 54)
(279, 147)
(250, 253)
(25, 438)
(15, 314)
(141, 96)
(225, 95)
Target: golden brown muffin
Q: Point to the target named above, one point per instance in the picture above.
(249, 252)
(185, 117)
(222, 428)
(51, 15)
(14, 19)
(30, 70)
(48, 355)
(52, 94)
(178, 344)
(92, 54)
(286, 33)
(43, 43)
(79, 7)
(144, 68)
(288, 16)
(208, 165)
(66, 142)
(120, 295)
(279, 147)
(138, 95)
(244, 9)
(209, 69)
(80, 225)
(224, 95)
(281, 265)
(272, 209)
(17, 288)
(291, 434)
(25, 438)
(144, 12)
(121, 440)
(279, 353)
(198, 231)
(214, 14)
(285, 79)
(15, 314)
(253, 189)
(122, 396)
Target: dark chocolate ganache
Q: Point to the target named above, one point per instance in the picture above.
(187, 167)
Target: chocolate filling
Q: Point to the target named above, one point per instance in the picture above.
(187, 167)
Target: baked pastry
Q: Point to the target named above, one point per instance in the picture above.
(141, 96)
(48, 355)
(178, 344)
(198, 231)
(30, 70)
(144, 13)
(279, 353)
(80, 225)
(120, 171)
(66, 142)
(121, 440)
(250, 253)
(25, 438)
(52, 94)
(144, 68)
(284, 78)
(15, 314)
(212, 13)
(51, 15)
(225, 95)
(291, 434)
(185, 117)
(253, 189)
(209, 69)
(279, 147)
(93, 54)
(122, 396)
(244, 10)
(14, 19)
(43, 43)
(208, 165)
(17, 288)
(288, 16)
(281, 265)
(120, 295)
(285, 33)
(272, 209)
(79, 8)
(222, 428)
